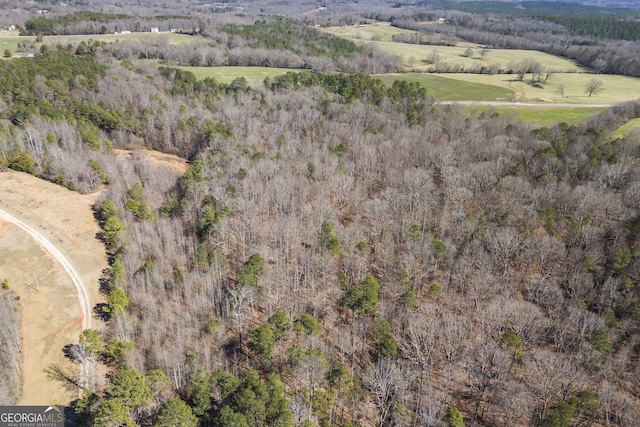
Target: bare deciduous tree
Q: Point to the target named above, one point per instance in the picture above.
(594, 87)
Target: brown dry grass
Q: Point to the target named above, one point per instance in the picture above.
(51, 315)
(175, 163)
(50, 312)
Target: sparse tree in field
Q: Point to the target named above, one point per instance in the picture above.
(560, 89)
(434, 57)
(484, 52)
(468, 52)
(594, 87)
(10, 343)
(7, 53)
(89, 345)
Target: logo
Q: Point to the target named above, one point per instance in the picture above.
(31, 416)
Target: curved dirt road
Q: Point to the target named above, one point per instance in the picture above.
(51, 257)
(54, 252)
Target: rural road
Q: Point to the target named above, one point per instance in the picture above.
(53, 251)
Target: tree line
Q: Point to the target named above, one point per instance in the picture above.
(600, 54)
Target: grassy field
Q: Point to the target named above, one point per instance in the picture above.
(617, 89)
(254, 75)
(549, 116)
(444, 89)
(416, 57)
(624, 130)
(11, 42)
(382, 30)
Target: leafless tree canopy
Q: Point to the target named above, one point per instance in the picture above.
(388, 258)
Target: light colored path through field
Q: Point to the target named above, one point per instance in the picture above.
(51, 249)
(53, 260)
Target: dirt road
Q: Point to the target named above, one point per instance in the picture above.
(53, 261)
(51, 249)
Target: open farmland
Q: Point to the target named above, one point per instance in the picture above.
(417, 57)
(379, 30)
(254, 75)
(173, 38)
(11, 42)
(444, 89)
(616, 89)
(539, 116)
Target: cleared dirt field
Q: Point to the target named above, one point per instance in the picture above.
(65, 240)
(50, 307)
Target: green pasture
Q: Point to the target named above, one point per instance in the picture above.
(419, 57)
(549, 116)
(444, 89)
(626, 129)
(10, 43)
(383, 30)
(171, 38)
(254, 75)
(616, 89)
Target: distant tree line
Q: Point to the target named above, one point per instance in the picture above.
(88, 22)
(602, 55)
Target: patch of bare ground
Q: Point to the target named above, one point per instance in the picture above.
(50, 307)
(175, 163)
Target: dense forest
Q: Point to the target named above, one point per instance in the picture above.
(338, 252)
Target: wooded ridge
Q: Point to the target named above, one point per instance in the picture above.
(338, 252)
